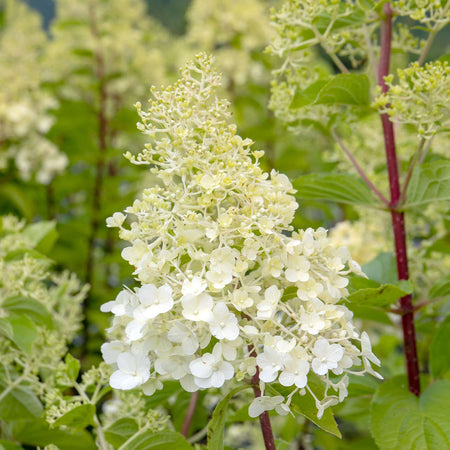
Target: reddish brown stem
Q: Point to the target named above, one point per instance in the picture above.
(398, 220)
(189, 414)
(264, 419)
(358, 168)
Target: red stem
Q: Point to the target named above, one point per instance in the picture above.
(398, 220)
(264, 419)
(189, 414)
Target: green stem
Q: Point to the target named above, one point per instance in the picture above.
(322, 42)
(102, 444)
(427, 47)
(125, 444)
(14, 384)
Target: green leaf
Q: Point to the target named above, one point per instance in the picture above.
(170, 388)
(441, 245)
(341, 188)
(351, 18)
(79, 417)
(217, 422)
(342, 89)
(381, 296)
(42, 235)
(429, 183)
(120, 431)
(31, 308)
(39, 433)
(441, 288)
(383, 268)
(440, 350)
(19, 403)
(73, 367)
(24, 331)
(305, 405)
(178, 410)
(370, 313)
(345, 89)
(19, 254)
(83, 52)
(400, 420)
(8, 445)
(17, 198)
(289, 293)
(6, 329)
(307, 96)
(163, 440)
(445, 58)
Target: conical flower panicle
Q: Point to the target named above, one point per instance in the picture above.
(211, 252)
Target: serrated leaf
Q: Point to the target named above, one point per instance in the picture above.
(429, 183)
(120, 431)
(400, 420)
(163, 440)
(356, 283)
(345, 89)
(440, 350)
(79, 417)
(305, 405)
(19, 403)
(441, 288)
(342, 89)
(217, 422)
(340, 188)
(39, 433)
(381, 296)
(31, 308)
(42, 235)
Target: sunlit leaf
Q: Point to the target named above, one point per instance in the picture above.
(429, 183)
(400, 420)
(340, 188)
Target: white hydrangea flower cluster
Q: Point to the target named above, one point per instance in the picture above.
(226, 289)
(25, 108)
